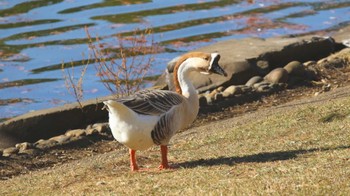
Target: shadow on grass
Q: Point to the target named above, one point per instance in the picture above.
(256, 158)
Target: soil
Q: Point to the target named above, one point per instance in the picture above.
(99, 144)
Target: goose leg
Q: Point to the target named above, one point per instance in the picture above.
(164, 153)
(133, 164)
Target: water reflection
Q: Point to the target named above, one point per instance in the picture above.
(36, 36)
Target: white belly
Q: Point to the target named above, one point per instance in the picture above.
(134, 133)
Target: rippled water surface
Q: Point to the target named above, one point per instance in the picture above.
(36, 36)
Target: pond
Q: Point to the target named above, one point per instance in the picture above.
(36, 36)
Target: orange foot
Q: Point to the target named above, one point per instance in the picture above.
(164, 166)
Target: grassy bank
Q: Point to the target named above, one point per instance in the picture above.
(300, 150)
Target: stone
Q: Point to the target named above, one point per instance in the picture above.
(262, 83)
(202, 100)
(45, 143)
(264, 89)
(24, 146)
(309, 63)
(61, 138)
(101, 127)
(254, 80)
(9, 151)
(31, 152)
(218, 97)
(295, 68)
(209, 99)
(76, 133)
(91, 131)
(263, 66)
(278, 75)
(233, 90)
(220, 89)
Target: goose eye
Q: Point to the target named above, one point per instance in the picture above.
(206, 58)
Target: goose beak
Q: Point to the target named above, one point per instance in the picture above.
(214, 65)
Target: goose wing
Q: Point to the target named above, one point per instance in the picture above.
(152, 102)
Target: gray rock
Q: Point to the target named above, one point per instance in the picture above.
(9, 151)
(76, 133)
(24, 146)
(209, 99)
(31, 152)
(91, 131)
(42, 144)
(278, 75)
(245, 89)
(202, 100)
(295, 68)
(233, 90)
(309, 63)
(61, 138)
(254, 80)
(263, 66)
(265, 89)
(218, 97)
(262, 83)
(101, 127)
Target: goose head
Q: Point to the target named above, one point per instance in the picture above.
(204, 63)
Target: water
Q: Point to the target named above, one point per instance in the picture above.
(37, 36)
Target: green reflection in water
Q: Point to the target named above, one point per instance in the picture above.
(25, 82)
(27, 23)
(105, 3)
(26, 7)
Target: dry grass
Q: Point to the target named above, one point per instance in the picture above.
(286, 151)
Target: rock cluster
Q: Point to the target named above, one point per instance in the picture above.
(275, 80)
(27, 148)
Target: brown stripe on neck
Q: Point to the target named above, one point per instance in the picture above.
(180, 61)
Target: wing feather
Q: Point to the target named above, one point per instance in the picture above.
(152, 102)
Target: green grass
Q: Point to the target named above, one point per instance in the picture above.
(304, 150)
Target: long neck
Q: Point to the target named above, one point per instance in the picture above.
(181, 80)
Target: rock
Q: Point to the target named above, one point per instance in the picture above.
(101, 127)
(218, 97)
(209, 99)
(31, 152)
(295, 68)
(76, 133)
(262, 83)
(24, 146)
(61, 139)
(265, 89)
(91, 131)
(45, 143)
(263, 66)
(202, 100)
(309, 63)
(233, 90)
(9, 151)
(254, 80)
(245, 89)
(278, 75)
(220, 89)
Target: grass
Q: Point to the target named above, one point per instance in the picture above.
(287, 151)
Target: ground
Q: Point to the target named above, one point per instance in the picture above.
(239, 146)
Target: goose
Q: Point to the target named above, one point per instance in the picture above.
(152, 117)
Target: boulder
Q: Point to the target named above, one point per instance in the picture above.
(278, 75)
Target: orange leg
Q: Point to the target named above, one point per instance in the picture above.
(133, 164)
(164, 153)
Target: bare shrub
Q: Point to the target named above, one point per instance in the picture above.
(75, 85)
(122, 69)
